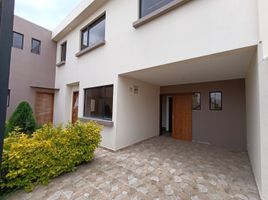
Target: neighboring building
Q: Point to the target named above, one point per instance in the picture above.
(138, 66)
(32, 69)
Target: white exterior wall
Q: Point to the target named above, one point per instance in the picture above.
(196, 29)
(137, 114)
(253, 120)
(260, 159)
(263, 76)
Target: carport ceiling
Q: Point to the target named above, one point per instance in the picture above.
(221, 66)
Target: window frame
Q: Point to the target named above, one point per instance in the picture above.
(33, 39)
(210, 108)
(61, 52)
(200, 101)
(87, 29)
(156, 13)
(22, 44)
(8, 98)
(140, 9)
(85, 96)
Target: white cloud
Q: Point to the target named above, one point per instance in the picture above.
(46, 13)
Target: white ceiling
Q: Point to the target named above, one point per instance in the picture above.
(222, 66)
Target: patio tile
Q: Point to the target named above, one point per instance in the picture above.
(159, 168)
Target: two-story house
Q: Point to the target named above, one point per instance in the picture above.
(194, 70)
(32, 69)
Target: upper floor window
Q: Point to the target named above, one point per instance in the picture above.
(93, 33)
(149, 6)
(63, 51)
(36, 46)
(18, 40)
(99, 102)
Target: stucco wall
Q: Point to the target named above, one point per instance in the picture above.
(226, 128)
(137, 114)
(253, 120)
(171, 38)
(263, 83)
(28, 69)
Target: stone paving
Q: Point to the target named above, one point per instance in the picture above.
(158, 168)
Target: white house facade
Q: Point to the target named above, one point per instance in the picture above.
(134, 66)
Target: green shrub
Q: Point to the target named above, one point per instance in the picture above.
(50, 152)
(22, 118)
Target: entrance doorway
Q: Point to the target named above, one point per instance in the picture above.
(182, 117)
(176, 116)
(75, 107)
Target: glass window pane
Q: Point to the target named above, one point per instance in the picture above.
(63, 51)
(85, 39)
(97, 33)
(215, 100)
(36, 46)
(94, 33)
(197, 101)
(148, 6)
(17, 40)
(99, 102)
(8, 98)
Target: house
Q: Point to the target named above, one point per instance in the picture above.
(32, 70)
(195, 70)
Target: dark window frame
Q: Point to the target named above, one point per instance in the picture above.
(210, 108)
(85, 96)
(8, 98)
(87, 29)
(196, 109)
(22, 44)
(32, 50)
(140, 9)
(63, 54)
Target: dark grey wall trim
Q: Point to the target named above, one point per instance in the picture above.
(6, 30)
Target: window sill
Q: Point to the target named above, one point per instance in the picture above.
(60, 63)
(157, 13)
(90, 48)
(99, 121)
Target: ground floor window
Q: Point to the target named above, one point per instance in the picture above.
(215, 100)
(197, 101)
(99, 102)
(8, 98)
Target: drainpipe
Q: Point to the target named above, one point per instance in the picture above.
(6, 29)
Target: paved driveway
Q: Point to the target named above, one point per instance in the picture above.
(159, 168)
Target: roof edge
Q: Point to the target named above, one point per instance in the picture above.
(78, 15)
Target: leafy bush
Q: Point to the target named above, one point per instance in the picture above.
(50, 152)
(22, 118)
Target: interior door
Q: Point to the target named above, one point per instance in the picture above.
(44, 104)
(75, 107)
(182, 117)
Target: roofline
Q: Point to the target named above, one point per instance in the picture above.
(78, 15)
(30, 22)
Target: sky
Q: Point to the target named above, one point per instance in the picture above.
(46, 13)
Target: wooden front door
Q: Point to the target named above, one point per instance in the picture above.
(44, 104)
(182, 117)
(75, 107)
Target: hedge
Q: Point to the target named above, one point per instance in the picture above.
(49, 152)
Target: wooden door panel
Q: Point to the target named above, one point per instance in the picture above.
(182, 117)
(75, 107)
(44, 104)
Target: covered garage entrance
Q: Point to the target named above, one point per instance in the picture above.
(216, 82)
